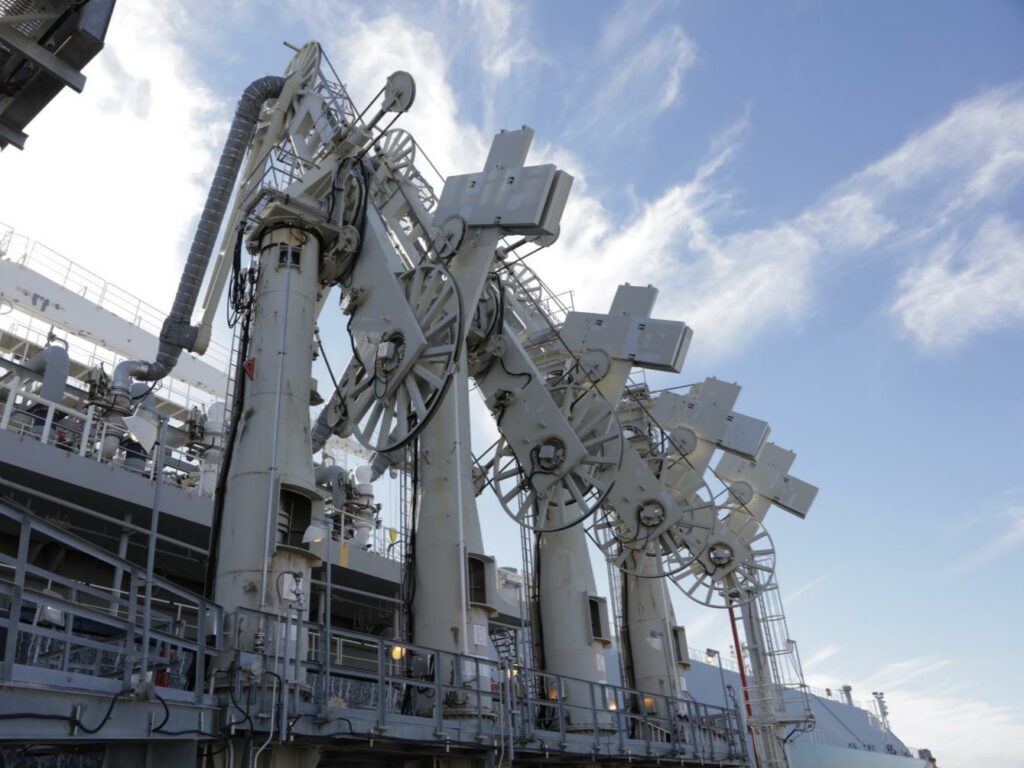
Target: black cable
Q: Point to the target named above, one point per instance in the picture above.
(229, 449)
(147, 393)
(70, 718)
(208, 753)
(330, 371)
(557, 335)
(527, 374)
(167, 717)
(238, 302)
(410, 575)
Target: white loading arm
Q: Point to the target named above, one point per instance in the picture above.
(596, 355)
(731, 555)
(294, 156)
(400, 370)
(759, 482)
(738, 562)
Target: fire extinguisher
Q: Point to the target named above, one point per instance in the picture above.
(162, 675)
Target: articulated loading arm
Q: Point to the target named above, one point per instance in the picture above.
(400, 372)
(307, 165)
(776, 697)
(256, 128)
(643, 519)
(699, 423)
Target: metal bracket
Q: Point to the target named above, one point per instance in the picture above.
(61, 70)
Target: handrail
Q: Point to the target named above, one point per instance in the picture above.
(472, 690)
(92, 287)
(60, 605)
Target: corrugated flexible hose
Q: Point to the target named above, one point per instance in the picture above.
(177, 332)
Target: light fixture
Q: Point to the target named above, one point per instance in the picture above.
(612, 705)
(710, 654)
(315, 533)
(397, 652)
(51, 614)
(648, 704)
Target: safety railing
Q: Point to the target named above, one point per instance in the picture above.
(90, 286)
(366, 531)
(836, 695)
(467, 699)
(82, 432)
(60, 631)
(33, 334)
(727, 663)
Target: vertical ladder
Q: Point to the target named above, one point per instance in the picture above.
(784, 661)
(777, 695)
(619, 619)
(529, 607)
(229, 390)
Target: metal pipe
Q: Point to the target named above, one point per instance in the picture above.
(122, 553)
(460, 511)
(328, 595)
(54, 365)
(743, 683)
(147, 606)
(177, 332)
(271, 495)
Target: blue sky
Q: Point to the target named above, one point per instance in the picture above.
(829, 194)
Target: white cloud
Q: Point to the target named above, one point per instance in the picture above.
(979, 145)
(821, 655)
(728, 287)
(960, 731)
(628, 22)
(951, 187)
(637, 71)
(962, 289)
(927, 710)
(897, 673)
(849, 221)
(113, 177)
(732, 286)
(805, 588)
(497, 27)
(1008, 537)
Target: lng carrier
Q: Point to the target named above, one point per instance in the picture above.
(209, 557)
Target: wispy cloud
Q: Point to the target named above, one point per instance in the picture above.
(934, 203)
(805, 588)
(962, 289)
(638, 70)
(1008, 537)
(901, 672)
(928, 709)
(962, 732)
(821, 655)
(114, 177)
(498, 28)
(952, 189)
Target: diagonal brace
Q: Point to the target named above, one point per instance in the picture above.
(61, 70)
